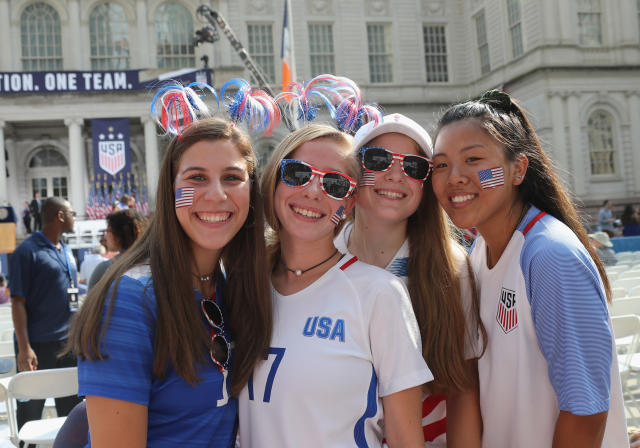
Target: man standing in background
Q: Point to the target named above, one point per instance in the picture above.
(44, 289)
(36, 208)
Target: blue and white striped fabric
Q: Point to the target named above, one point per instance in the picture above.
(569, 311)
(559, 353)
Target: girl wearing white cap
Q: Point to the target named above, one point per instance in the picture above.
(400, 227)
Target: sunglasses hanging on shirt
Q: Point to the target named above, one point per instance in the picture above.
(219, 351)
(296, 173)
(381, 159)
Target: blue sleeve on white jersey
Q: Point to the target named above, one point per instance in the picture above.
(570, 316)
(126, 373)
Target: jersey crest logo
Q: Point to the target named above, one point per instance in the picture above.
(507, 315)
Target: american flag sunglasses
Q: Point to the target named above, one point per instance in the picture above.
(296, 173)
(375, 158)
(220, 348)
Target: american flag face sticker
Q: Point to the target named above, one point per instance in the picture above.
(337, 216)
(492, 177)
(507, 314)
(368, 178)
(184, 196)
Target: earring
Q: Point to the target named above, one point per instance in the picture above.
(518, 178)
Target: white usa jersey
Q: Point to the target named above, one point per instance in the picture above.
(550, 345)
(338, 346)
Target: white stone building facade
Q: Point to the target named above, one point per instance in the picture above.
(574, 64)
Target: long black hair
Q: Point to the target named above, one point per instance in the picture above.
(505, 120)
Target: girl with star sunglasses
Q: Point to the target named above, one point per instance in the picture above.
(345, 353)
(399, 226)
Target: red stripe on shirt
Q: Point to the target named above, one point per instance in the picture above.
(349, 263)
(433, 430)
(533, 221)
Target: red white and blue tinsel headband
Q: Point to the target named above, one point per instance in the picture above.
(255, 107)
(174, 107)
(340, 95)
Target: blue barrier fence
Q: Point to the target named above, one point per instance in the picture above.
(626, 243)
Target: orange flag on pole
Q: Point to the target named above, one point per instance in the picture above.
(288, 69)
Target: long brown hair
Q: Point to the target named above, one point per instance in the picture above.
(505, 120)
(271, 175)
(434, 272)
(165, 246)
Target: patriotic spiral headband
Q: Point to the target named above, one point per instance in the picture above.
(340, 95)
(174, 107)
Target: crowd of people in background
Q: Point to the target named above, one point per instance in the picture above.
(627, 224)
(353, 317)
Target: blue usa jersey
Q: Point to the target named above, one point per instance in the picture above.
(178, 414)
(338, 346)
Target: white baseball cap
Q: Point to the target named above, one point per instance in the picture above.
(394, 123)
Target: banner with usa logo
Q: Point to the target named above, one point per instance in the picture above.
(111, 148)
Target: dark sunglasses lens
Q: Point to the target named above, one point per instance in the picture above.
(336, 185)
(220, 349)
(377, 159)
(212, 311)
(416, 167)
(296, 174)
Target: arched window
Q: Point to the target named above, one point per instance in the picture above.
(602, 143)
(41, 42)
(47, 157)
(48, 172)
(174, 35)
(109, 34)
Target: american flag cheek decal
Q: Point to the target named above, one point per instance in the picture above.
(337, 216)
(368, 179)
(184, 196)
(492, 177)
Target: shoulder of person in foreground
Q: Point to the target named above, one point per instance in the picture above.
(569, 312)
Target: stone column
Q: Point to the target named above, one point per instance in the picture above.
(76, 165)
(4, 191)
(142, 58)
(568, 17)
(73, 57)
(5, 37)
(634, 119)
(560, 150)
(152, 158)
(580, 155)
(549, 16)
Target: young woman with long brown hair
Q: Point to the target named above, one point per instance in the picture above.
(154, 336)
(345, 360)
(549, 376)
(398, 225)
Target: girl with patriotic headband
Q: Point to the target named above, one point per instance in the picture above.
(399, 226)
(549, 375)
(170, 335)
(345, 365)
